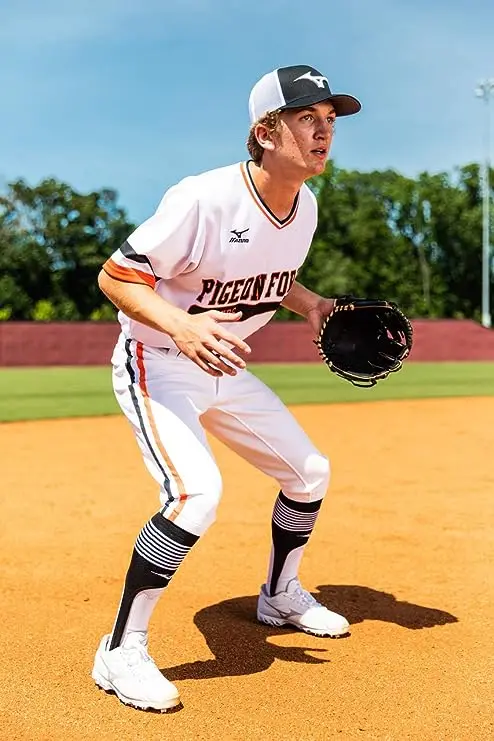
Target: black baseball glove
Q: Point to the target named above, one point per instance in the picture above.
(363, 340)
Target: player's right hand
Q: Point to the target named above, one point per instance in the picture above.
(199, 337)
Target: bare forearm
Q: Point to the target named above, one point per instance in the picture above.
(200, 337)
(301, 300)
(141, 303)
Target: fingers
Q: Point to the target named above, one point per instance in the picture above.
(223, 334)
(212, 363)
(222, 351)
(225, 316)
(233, 340)
(203, 343)
(213, 356)
(217, 363)
(205, 367)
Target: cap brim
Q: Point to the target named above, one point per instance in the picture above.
(344, 105)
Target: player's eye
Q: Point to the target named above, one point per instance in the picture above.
(308, 117)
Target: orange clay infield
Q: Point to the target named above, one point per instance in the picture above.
(404, 547)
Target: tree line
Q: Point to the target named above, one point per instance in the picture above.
(417, 241)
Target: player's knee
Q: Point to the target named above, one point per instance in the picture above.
(207, 502)
(311, 481)
(199, 506)
(318, 474)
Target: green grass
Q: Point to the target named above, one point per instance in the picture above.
(306, 384)
(41, 393)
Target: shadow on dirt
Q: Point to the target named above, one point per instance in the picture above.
(241, 646)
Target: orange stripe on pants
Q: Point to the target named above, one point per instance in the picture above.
(176, 477)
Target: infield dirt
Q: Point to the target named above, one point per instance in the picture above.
(404, 547)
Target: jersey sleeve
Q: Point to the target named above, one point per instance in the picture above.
(167, 244)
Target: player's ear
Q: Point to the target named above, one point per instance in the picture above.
(264, 136)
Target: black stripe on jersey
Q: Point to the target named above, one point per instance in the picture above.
(135, 402)
(248, 310)
(129, 252)
(280, 221)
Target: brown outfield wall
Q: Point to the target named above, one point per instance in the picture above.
(91, 343)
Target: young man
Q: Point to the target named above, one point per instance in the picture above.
(211, 267)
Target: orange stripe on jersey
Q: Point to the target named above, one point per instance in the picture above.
(259, 203)
(154, 430)
(254, 196)
(128, 275)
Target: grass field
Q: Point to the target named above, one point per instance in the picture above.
(40, 393)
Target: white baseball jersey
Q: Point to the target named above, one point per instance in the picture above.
(214, 244)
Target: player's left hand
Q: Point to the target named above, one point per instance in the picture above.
(317, 315)
(364, 340)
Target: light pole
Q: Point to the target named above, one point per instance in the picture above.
(484, 90)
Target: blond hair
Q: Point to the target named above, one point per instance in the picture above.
(271, 121)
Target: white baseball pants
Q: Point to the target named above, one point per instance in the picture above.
(170, 403)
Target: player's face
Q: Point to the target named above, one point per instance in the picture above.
(305, 137)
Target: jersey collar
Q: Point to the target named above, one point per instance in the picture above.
(249, 182)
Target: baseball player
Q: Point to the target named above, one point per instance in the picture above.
(191, 283)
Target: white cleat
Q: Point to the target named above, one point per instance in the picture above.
(132, 675)
(299, 608)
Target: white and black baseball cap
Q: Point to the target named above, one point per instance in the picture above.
(296, 87)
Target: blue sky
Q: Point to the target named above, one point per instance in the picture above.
(136, 94)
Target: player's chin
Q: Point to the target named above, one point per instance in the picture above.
(316, 166)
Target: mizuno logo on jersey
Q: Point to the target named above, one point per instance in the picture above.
(318, 80)
(238, 235)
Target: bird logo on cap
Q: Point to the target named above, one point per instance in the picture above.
(318, 80)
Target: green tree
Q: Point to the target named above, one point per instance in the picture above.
(454, 237)
(24, 271)
(357, 247)
(59, 240)
(415, 241)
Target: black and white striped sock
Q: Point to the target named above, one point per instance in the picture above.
(291, 527)
(160, 548)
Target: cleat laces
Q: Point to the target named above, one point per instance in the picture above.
(302, 597)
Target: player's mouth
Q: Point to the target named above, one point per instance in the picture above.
(320, 152)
